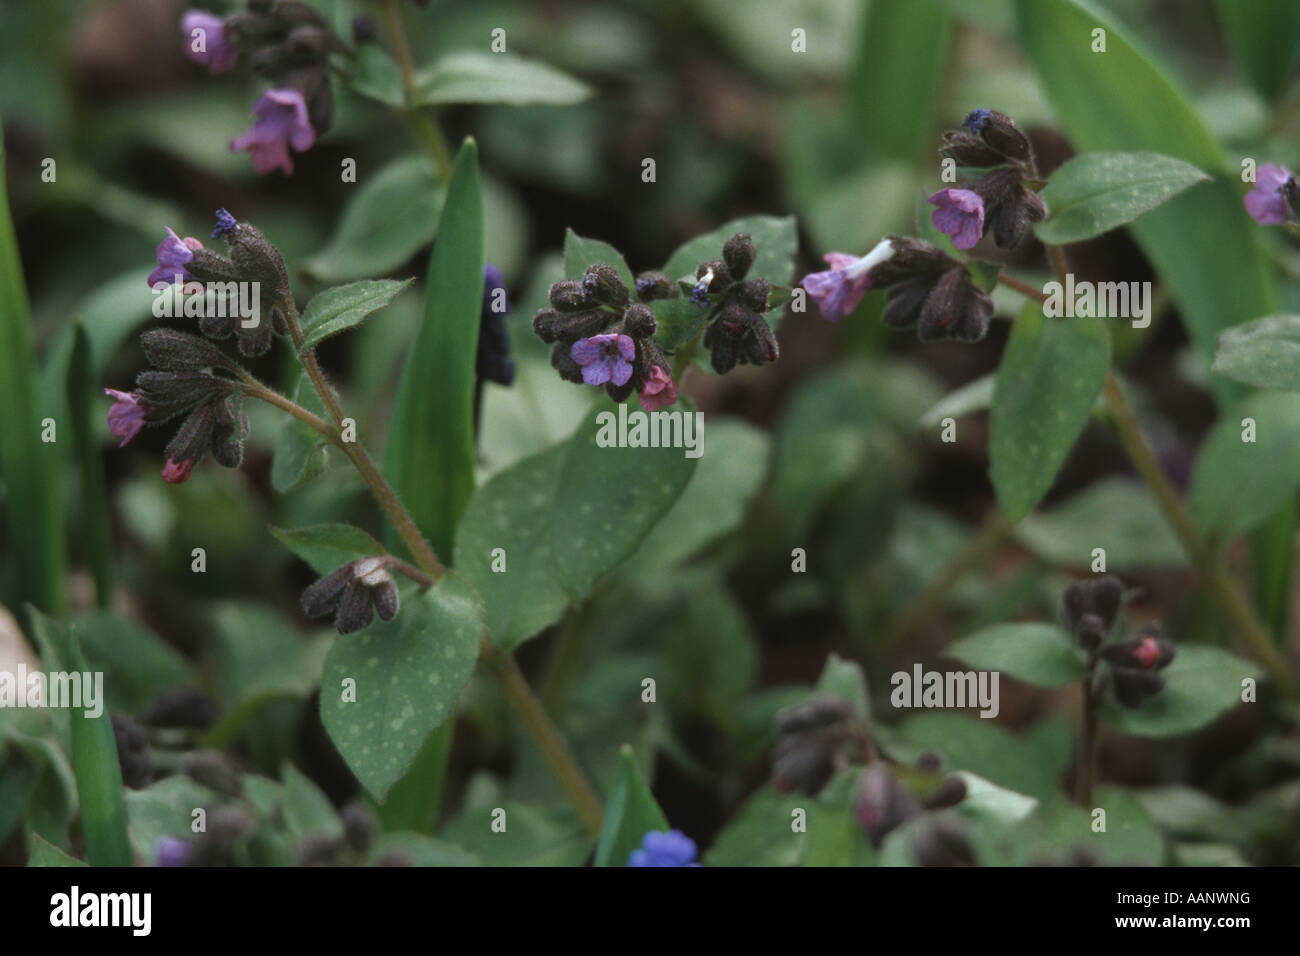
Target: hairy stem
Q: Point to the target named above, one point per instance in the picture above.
(502, 666)
(422, 124)
(1222, 585)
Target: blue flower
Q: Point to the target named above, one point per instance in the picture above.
(225, 222)
(169, 851)
(658, 848)
(976, 120)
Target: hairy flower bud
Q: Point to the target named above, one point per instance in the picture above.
(739, 253)
(639, 321)
(966, 149)
(655, 285)
(568, 295)
(603, 285)
(1000, 133)
(181, 352)
(955, 309)
(1089, 607)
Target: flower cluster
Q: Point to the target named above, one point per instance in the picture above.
(1001, 199)
(601, 337)
(737, 332)
(883, 802)
(660, 848)
(816, 740)
(353, 594)
(928, 289)
(1089, 608)
(289, 43)
(1276, 197)
(184, 381)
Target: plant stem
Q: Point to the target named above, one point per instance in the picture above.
(1087, 769)
(502, 666)
(545, 735)
(1225, 589)
(425, 128)
(1024, 288)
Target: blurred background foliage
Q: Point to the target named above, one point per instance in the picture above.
(834, 449)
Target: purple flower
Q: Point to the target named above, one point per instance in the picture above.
(169, 851)
(281, 122)
(126, 417)
(960, 215)
(605, 358)
(210, 47)
(173, 253)
(673, 848)
(1265, 203)
(838, 291)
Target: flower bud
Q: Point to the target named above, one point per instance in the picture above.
(955, 309)
(752, 294)
(132, 751)
(564, 363)
(214, 770)
(1000, 133)
(738, 253)
(1089, 607)
(639, 321)
(181, 352)
(655, 285)
(966, 149)
(943, 843)
(881, 803)
(602, 284)
(568, 295)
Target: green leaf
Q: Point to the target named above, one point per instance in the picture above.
(1264, 353)
(374, 74)
(300, 450)
(99, 778)
(327, 547)
(845, 679)
(33, 499)
(392, 215)
(84, 400)
(408, 674)
(580, 253)
(1097, 192)
(1236, 485)
(469, 76)
(564, 518)
(430, 455)
(1119, 515)
(136, 663)
(630, 813)
(1261, 34)
(342, 307)
(306, 808)
(1028, 762)
(1118, 100)
(1039, 654)
(1050, 374)
(45, 853)
(897, 77)
(1201, 683)
(165, 809)
(760, 833)
(776, 240)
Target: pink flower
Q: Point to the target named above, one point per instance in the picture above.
(960, 215)
(1147, 652)
(176, 472)
(605, 358)
(126, 417)
(659, 390)
(1265, 203)
(281, 122)
(211, 47)
(838, 291)
(173, 254)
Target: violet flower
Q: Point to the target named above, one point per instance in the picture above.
(126, 417)
(173, 254)
(838, 291)
(211, 47)
(281, 122)
(659, 848)
(605, 358)
(1266, 203)
(960, 215)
